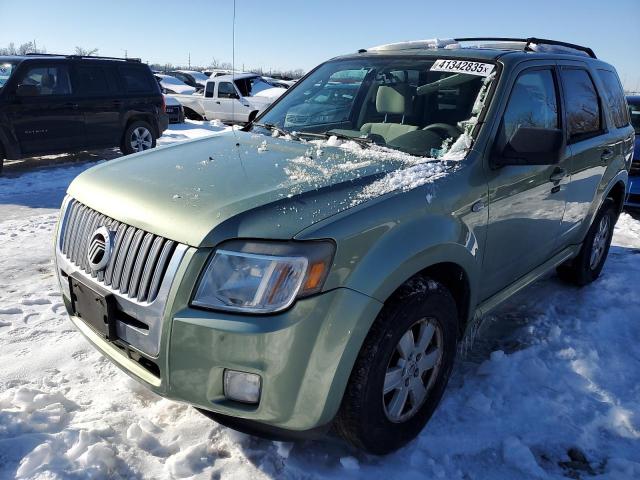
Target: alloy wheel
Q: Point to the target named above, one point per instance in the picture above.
(412, 370)
(141, 139)
(600, 242)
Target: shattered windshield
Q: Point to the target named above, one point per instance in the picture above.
(6, 68)
(415, 105)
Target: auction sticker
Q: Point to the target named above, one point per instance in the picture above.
(463, 66)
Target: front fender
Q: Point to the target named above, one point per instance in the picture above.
(387, 240)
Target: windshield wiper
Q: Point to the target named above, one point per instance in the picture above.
(274, 128)
(362, 141)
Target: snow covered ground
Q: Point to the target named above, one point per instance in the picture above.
(551, 388)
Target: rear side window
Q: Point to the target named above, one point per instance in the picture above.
(93, 80)
(581, 100)
(48, 80)
(532, 103)
(615, 98)
(137, 80)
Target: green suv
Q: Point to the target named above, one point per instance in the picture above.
(284, 282)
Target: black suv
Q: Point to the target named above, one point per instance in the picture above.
(55, 103)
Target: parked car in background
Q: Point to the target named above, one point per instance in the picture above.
(173, 85)
(174, 110)
(218, 72)
(231, 98)
(633, 194)
(56, 103)
(192, 78)
(312, 284)
(277, 83)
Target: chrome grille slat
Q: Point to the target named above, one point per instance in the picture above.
(149, 268)
(128, 264)
(122, 256)
(139, 259)
(160, 268)
(108, 274)
(75, 240)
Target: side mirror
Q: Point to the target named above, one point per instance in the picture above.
(25, 90)
(531, 146)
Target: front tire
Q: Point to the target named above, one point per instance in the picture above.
(138, 137)
(402, 369)
(586, 267)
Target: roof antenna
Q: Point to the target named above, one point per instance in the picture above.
(233, 70)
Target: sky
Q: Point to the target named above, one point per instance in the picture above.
(287, 34)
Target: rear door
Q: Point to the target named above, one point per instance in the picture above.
(50, 119)
(593, 145)
(526, 202)
(99, 100)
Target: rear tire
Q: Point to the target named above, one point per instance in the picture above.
(396, 384)
(139, 136)
(586, 267)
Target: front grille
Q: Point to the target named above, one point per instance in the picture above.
(635, 168)
(139, 259)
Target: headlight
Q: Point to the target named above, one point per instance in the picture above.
(263, 277)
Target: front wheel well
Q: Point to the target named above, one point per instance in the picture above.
(252, 116)
(455, 279)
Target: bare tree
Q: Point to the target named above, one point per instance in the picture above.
(23, 49)
(85, 52)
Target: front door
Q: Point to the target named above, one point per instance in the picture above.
(49, 118)
(526, 202)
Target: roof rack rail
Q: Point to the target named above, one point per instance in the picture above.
(137, 60)
(532, 41)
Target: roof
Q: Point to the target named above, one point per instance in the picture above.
(59, 57)
(488, 49)
(230, 78)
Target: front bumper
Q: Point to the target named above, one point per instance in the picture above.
(175, 114)
(303, 355)
(632, 198)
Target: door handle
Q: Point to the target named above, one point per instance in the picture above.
(218, 102)
(607, 154)
(557, 175)
(71, 105)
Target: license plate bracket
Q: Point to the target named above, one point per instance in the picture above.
(94, 308)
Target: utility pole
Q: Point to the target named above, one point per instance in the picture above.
(189, 60)
(35, 47)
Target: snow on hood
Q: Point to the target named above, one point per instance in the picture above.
(185, 193)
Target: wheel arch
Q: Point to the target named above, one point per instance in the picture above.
(253, 115)
(616, 192)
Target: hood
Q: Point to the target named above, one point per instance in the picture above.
(233, 184)
(270, 93)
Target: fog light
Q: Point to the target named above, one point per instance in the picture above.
(242, 387)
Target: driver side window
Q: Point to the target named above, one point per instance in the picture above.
(226, 90)
(51, 80)
(532, 103)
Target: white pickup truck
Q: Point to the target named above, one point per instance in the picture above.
(230, 98)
